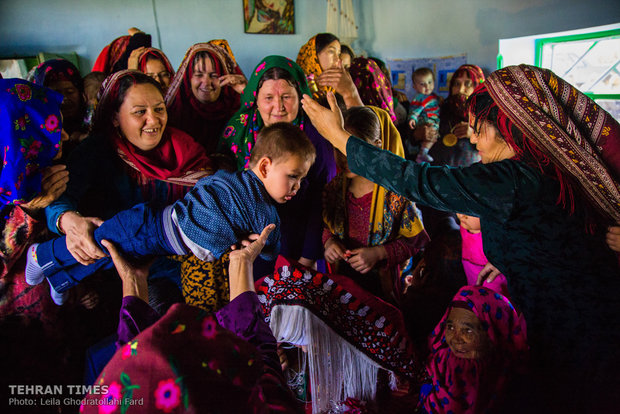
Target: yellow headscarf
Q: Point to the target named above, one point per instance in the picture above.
(309, 62)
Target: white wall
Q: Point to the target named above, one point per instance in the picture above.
(387, 28)
(430, 28)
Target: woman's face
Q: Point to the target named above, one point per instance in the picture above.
(142, 117)
(156, 69)
(205, 81)
(329, 56)
(277, 101)
(464, 334)
(462, 85)
(489, 143)
(72, 101)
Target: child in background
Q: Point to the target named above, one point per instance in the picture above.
(92, 83)
(474, 259)
(215, 214)
(424, 108)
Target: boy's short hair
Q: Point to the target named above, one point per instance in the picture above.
(95, 77)
(422, 72)
(281, 140)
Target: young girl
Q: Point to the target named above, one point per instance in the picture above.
(369, 230)
(474, 259)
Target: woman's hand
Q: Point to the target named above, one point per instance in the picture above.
(328, 122)
(80, 237)
(340, 79)
(240, 268)
(462, 130)
(488, 274)
(334, 251)
(235, 81)
(53, 184)
(365, 258)
(134, 277)
(134, 57)
(613, 238)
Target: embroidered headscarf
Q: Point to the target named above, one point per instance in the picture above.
(58, 70)
(186, 362)
(462, 385)
(373, 86)
(308, 60)
(111, 54)
(30, 129)
(388, 210)
(240, 134)
(556, 128)
(173, 160)
(203, 121)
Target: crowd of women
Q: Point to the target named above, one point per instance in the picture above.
(367, 307)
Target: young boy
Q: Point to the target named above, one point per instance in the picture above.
(214, 215)
(424, 108)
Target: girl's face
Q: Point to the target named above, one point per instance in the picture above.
(205, 81)
(489, 143)
(462, 85)
(464, 334)
(277, 101)
(142, 116)
(156, 69)
(329, 56)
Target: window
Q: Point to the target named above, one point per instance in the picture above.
(590, 62)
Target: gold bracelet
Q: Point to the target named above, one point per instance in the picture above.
(58, 227)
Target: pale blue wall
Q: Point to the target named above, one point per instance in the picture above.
(387, 28)
(431, 28)
(86, 26)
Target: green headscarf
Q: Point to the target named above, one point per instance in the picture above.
(240, 133)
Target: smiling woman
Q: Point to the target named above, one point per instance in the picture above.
(142, 116)
(205, 92)
(132, 156)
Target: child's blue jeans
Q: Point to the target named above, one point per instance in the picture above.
(137, 232)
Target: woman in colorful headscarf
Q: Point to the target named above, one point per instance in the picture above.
(476, 349)
(320, 60)
(154, 63)
(115, 56)
(190, 360)
(63, 77)
(374, 87)
(30, 134)
(205, 92)
(545, 191)
(132, 156)
(453, 147)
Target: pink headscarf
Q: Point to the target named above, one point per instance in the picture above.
(475, 385)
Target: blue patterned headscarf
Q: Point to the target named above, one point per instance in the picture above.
(30, 128)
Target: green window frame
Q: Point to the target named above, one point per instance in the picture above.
(608, 34)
